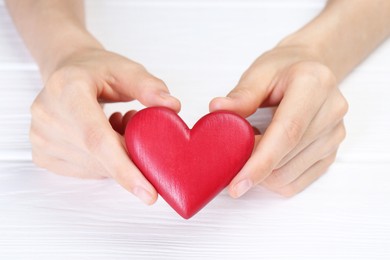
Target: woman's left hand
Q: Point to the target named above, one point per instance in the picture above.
(307, 128)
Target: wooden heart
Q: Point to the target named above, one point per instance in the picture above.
(188, 167)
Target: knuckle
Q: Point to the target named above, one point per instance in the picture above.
(325, 74)
(37, 109)
(335, 140)
(300, 68)
(330, 159)
(277, 178)
(316, 71)
(339, 105)
(337, 136)
(342, 132)
(93, 139)
(343, 106)
(293, 130)
(327, 161)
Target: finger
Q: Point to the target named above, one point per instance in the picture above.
(247, 183)
(326, 120)
(252, 89)
(116, 122)
(294, 168)
(307, 178)
(119, 122)
(256, 131)
(135, 82)
(303, 97)
(100, 141)
(127, 117)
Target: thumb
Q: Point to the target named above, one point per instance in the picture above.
(251, 91)
(107, 147)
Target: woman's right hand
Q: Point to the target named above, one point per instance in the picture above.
(70, 133)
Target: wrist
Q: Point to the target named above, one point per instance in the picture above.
(62, 46)
(311, 49)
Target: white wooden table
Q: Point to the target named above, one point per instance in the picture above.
(199, 48)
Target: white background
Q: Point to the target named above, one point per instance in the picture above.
(200, 49)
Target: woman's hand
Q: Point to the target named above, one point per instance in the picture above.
(306, 129)
(70, 133)
(300, 77)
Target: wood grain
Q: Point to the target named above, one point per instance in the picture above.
(188, 167)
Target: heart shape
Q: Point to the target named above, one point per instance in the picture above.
(188, 167)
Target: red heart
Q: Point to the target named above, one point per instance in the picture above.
(188, 167)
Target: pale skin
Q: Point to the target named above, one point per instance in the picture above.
(71, 135)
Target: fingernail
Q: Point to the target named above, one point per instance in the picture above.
(242, 187)
(143, 195)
